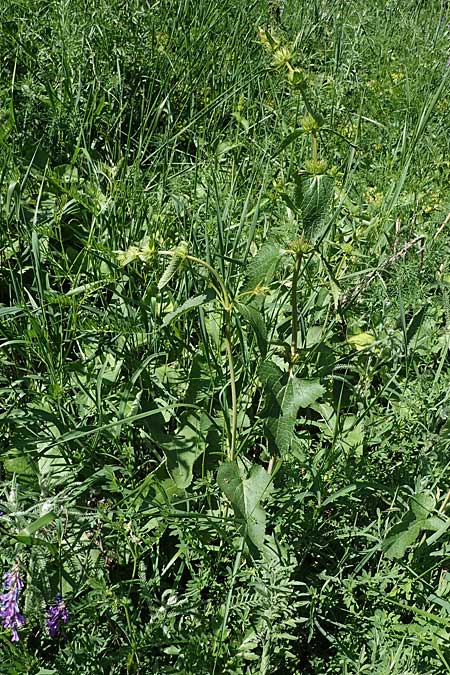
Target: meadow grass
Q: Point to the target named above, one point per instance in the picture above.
(224, 332)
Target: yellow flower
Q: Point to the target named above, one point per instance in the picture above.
(396, 77)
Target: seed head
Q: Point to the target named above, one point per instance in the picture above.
(316, 167)
(299, 246)
(311, 123)
(281, 57)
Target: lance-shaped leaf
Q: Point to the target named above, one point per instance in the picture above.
(256, 321)
(37, 524)
(313, 196)
(245, 490)
(285, 395)
(190, 303)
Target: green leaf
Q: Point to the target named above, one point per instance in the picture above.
(191, 303)
(18, 464)
(351, 436)
(416, 323)
(199, 386)
(361, 340)
(184, 448)
(422, 504)
(417, 519)
(313, 196)
(338, 494)
(396, 544)
(11, 310)
(262, 267)
(290, 138)
(434, 524)
(245, 491)
(286, 395)
(53, 467)
(256, 321)
(438, 532)
(36, 541)
(37, 524)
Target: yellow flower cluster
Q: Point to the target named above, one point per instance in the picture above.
(372, 196)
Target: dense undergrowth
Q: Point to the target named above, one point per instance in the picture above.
(224, 323)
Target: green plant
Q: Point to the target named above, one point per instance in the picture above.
(224, 336)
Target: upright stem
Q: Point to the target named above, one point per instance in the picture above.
(227, 306)
(304, 94)
(298, 262)
(232, 386)
(314, 145)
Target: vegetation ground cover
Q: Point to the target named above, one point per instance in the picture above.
(224, 325)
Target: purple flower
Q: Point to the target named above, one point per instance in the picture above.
(56, 614)
(9, 605)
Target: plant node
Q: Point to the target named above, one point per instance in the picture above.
(299, 246)
(316, 167)
(311, 123)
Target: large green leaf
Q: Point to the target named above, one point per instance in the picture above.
(256, 321)
(313, 196)
(199, 386)
(401, 538)
(26, 535)
(19, 464)
(185, 447)
(285, 396)
(422, 504)
(418, 518)
(53, 467)
(245, 490)
(262, 267)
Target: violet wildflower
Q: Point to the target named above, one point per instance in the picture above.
(56, 614)
(9, 602)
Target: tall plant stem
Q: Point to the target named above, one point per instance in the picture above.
(227, 306)
(294, 339)
(232, 386)
(314, 146)
(306, 100)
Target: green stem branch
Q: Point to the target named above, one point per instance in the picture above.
(232, 386)
(315, 152)
(294, 339)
